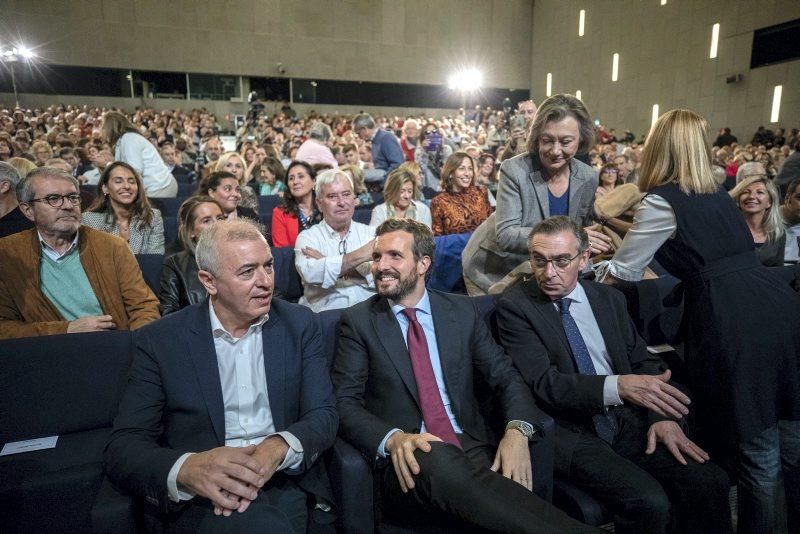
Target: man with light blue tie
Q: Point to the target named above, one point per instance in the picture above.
(619, 433)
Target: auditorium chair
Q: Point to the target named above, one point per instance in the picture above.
(151, 265)
(168, 206)
(67, 386)
(447, 274)
(170, 230)
(362, 215)
(286, 278)
(266, 203)
(186, 189)
(357, 495)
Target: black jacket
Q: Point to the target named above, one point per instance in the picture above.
(180, 286)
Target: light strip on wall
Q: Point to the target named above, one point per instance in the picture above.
(615, 67)
(776, 103)
(654, 116)
(578, 94)
(549, 83)
(714, 40)
(663, 2)
(581, 22)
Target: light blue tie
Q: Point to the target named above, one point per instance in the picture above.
(604, 425)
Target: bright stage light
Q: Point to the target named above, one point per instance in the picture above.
(469, 79)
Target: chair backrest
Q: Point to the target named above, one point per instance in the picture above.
(186, 189)
(53, 385)
(362, 215)
(170, 229)
(377, 197)
(286, 277)
(328, 321)
(151, 265)
(266, 203)
(447, 274)
(266, 221)
(168, 206)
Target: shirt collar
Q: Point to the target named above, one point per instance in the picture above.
(424, 305)
(333, 234)
(577, 294)
(219, 331)
(53, 253)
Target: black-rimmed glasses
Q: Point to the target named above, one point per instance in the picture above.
(343, 247)
(56, 201)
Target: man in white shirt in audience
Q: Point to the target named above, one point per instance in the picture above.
(334, 256)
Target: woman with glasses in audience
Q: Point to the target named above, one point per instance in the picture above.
(298, 211)
(224, 187)
(760, 203)
(122, 209)
(461, 206)
(132, 148)
(180, 286)
(546, 181)
(609, 179)
(41, 151)
(400, 193)
(741, 341)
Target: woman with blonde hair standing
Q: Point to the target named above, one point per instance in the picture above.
(740, 348)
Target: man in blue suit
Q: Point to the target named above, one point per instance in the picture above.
(387, 154)
(229, 403)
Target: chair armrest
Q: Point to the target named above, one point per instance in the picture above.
(542, 454)
(113, 512)
(351, 481)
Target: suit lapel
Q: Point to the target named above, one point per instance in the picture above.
(606, 323)
(391, 336)
(200, 341)
(273, 337)
(449, 345)
(545, 308)
(540, 187)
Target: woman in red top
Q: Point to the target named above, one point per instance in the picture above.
(298, 211)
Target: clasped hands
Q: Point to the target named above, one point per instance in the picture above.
(230, 477)
(513, 459)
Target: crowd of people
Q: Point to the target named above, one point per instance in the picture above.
(553, 209)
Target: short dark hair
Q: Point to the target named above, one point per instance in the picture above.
(424, 245)
(558, 224)
(792, 188)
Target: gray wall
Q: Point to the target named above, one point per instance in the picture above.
(664, 59)
(411, 41)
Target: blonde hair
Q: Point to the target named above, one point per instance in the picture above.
(223, 160)
(678, 150)
(22, 165)
(115, 125)
(358, 177)
(772, 223)
(397, 179)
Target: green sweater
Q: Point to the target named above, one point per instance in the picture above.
(65, 284)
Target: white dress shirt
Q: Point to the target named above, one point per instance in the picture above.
(581, 311)
(323, 286)
(248, 418)
(52, 253)
(140, 154)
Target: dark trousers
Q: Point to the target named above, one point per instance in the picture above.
(639, 488)
(281, 506)
(455, 485)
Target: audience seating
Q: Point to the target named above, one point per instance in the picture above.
(167, 206)
(287, 280)
(66, 385)
(266, 221)
(267, 202)
(362, 215)
(151, 265)
(170, 229)
(186, 189)
(377, 197)
(447, 268)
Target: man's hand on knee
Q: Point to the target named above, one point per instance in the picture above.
(401, 447)
(228, 476)
(513, 458)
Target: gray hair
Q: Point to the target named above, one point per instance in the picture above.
(751, 168)
(320, 131)
(363, 120)
(556, 225)
(207, 251)
(719, 174)
(24, 188)
(9, 174)
(330, 176)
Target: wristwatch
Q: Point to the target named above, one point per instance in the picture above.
(527, 429)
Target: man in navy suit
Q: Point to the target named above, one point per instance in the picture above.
(387, 154)
(229, 403)
(619, 422)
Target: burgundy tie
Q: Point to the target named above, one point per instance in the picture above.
(433, 413)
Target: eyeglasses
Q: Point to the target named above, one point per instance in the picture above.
(57, 201)
(559, 263)
(343, 247)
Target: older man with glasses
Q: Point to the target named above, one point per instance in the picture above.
(60, 277)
